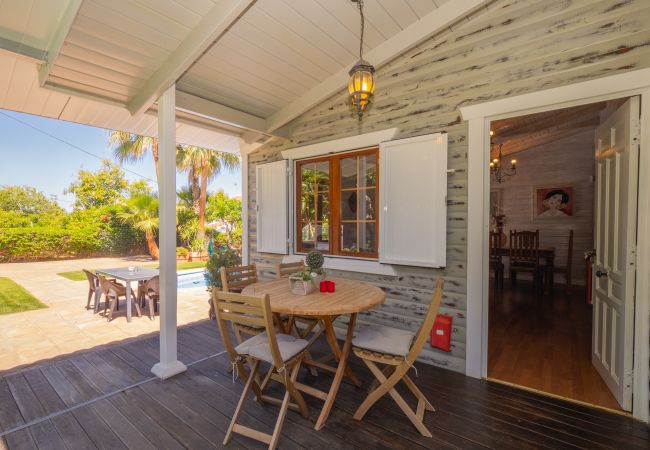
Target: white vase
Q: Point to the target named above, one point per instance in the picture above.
(300, 286)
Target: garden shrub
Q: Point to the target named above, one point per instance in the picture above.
(220, 258)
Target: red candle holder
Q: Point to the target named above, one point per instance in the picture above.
(323, 286)
(331, 286)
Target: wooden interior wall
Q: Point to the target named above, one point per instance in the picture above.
(507, 48)
(566, 162)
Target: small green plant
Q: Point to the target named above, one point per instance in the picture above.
(304, 275)
(182, 252)
(220, 258)
(314, 261)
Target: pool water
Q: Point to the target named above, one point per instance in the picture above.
(191, 279)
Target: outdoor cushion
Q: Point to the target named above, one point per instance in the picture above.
(384, 339)
(258, 347)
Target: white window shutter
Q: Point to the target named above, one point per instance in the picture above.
(413, 201)
(272, 207)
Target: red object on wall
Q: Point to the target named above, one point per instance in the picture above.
(441, 333)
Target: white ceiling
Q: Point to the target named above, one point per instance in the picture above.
(270, 60)
(280, 49)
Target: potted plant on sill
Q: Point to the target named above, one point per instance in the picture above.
(306, 281)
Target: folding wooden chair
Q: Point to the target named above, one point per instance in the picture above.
(397, 350)
(287, 269)
(235, 279)
(282, 351)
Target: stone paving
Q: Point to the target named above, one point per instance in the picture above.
(66, 326)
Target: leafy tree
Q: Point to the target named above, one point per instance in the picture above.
(106, 186)
(141, 212)
(207, 164)
(227, 209)
(129, 147)
(26, 200)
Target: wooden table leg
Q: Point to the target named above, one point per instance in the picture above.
(330, 334)
(340, 371)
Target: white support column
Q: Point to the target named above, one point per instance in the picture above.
(169, 364)
(244, 206)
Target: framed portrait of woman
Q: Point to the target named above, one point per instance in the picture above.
(551, 202)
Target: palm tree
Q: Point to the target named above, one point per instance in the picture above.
(129, 147)
(141, 212)
(203, 165)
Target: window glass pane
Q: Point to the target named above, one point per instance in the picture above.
(314, 206)
(349, 238)
(349, 205)
(349, 172)
(321, 175)
(367, 237)
(368, 170)
(367, 204)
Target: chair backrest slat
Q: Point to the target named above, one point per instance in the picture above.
(109, 288)
(238, 276)
(495, 245)
(423, 332)
(245, 310)
(287, 269)
(524, 246)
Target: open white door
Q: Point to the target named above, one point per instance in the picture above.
(617, 155)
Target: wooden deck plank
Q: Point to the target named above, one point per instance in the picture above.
(72, 432)
(47, 396)
(167, 420)
(10, 416)
(131, 436)
(22, 440)
(193, 409)
(28, 404)
(158, 436)
(45, 436)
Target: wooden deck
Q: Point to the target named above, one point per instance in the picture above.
(107, 398)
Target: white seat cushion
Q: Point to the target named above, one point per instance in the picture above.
(383, 339)
(258, 347)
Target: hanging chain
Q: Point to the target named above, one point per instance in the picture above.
(360, 3)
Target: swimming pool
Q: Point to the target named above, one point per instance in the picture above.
(191, 279)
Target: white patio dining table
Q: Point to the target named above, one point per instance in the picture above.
(128, 276)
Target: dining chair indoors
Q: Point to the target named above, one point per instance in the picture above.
(496, 262)
(397, 350)
(282, 351)
(524, 256)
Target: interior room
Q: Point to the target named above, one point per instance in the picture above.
(542, 200)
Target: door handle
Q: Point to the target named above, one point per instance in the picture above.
(601, 274)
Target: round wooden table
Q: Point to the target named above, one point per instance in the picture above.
(350, 297)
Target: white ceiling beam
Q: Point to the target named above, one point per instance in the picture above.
(53, 49)
(218, 112)
(23, 51)
(385, 52)
(211, 27)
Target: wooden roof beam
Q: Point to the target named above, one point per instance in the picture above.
(385, 52)
(55, 45)
(23, 51)
(211, 27)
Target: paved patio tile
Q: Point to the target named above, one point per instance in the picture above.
(66, 326)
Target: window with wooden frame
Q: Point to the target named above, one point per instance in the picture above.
(336, 204)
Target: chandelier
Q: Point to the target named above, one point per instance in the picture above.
(362, 82)
(499, 172)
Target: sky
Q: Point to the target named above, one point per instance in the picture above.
(41, 153)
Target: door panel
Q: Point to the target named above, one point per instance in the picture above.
(617, 146)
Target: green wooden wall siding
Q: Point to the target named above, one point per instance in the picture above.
(507, 48)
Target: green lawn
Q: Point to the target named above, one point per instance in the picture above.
(184, 265)
(14, 298)
(75, 275)
(78, 275)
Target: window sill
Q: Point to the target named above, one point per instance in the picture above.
(349, 264)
